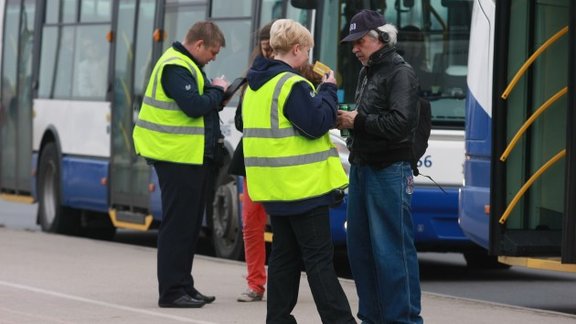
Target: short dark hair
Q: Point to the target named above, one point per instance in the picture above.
(207, 31)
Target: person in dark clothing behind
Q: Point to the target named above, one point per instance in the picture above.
(178, 131)
(293, 168)
(253, 213)
(380, 234)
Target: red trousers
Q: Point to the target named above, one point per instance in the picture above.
(254, 225)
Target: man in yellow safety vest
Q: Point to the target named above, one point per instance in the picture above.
(178, 132)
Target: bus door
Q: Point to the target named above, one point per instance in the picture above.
(16, 97)
(130, 175)
(240, 22)
(144, 29)
(532, 196)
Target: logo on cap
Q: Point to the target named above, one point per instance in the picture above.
(362, 23)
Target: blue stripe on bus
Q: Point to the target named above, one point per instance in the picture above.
(478, 133)
(435, 216)
(337, 221)
(81, 183)
(475, 196)
(473, 220)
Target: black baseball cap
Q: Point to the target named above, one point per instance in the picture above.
(363, 22)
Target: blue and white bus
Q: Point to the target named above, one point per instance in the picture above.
(474, 195)
(73, 73)
(518, 198)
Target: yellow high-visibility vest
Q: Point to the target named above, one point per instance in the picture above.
(163, 131)
(281, 164)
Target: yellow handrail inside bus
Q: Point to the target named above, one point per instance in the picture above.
(529, 183)
(531, 120)
(531, 59)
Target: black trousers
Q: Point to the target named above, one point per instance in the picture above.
(184, 191)
(304, 238)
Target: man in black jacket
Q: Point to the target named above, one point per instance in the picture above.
(380, 232)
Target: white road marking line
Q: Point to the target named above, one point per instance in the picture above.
(101, 303)
(31, 316)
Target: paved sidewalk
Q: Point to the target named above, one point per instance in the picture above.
(58, 279)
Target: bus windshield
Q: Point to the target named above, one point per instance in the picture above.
(433, 38)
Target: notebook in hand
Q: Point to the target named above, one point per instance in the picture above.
(233, 87)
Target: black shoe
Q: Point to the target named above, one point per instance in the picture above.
(207, 299)
(184, 302)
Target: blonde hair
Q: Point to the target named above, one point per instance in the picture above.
(286, 33)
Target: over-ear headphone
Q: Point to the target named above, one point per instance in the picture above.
(383, 37)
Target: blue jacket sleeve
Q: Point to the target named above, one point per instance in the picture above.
(181, 86)
(312, 115)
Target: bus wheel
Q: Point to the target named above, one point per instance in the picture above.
(226, 228)
(52, 216)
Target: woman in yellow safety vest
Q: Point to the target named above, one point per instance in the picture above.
(295, 171)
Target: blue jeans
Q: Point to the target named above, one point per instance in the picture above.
(381, 248)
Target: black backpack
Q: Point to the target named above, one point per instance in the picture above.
(421, 136)
(422, 133)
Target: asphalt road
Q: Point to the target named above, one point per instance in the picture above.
(440, 273)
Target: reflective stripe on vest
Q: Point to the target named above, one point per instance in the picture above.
(163, 131)
(281, 164)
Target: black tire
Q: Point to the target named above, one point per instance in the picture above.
(227, 237)
(481, 260)
(97, 226)
(52, 216)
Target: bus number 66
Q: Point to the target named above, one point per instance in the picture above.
(426, 161)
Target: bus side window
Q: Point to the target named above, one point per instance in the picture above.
(411, 45)
(235, 20)
(91, 63)
(62, 86)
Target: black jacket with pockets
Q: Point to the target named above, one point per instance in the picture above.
(387, 98)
